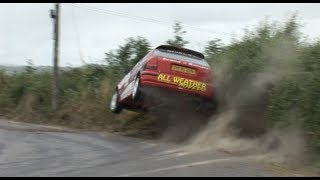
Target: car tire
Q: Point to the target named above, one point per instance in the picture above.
(115, 107)
(136, 91)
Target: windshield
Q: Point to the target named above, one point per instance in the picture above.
(181, 56)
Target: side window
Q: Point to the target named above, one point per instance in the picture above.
(146, 57)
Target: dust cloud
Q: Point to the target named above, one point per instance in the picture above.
(241, 127)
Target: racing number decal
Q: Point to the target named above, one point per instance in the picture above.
(183, 82)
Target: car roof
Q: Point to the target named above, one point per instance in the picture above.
(180, 49)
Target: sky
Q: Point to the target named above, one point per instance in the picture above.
(89, 30)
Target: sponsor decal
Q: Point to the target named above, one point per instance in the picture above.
(183, 82)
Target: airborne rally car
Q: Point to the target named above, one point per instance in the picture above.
(166, 68)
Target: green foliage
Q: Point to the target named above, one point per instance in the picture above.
(310, 58)
(284, 101)
(213, 50)
(270, 71)
(259, 52)
(36, 84)
(126, 56)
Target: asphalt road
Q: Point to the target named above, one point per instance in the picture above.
(31, 150)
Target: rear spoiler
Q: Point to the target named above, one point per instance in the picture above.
(179, 49)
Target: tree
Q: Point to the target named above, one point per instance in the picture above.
(291, 28)
(212, 50)
(178, 39)
(30, 67)
(127, 55)
(140, 47)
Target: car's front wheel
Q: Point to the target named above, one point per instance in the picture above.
(115, 107)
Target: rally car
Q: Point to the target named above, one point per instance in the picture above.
(169, 69)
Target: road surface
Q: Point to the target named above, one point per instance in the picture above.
(32, 150)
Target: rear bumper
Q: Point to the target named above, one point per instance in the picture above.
(150, 79)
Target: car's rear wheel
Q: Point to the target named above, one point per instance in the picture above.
(115, 107)
(136, 92)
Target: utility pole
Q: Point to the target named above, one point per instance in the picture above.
(55, 81)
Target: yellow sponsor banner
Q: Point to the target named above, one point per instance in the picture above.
(183, 82)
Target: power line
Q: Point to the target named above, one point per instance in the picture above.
(151, 20)
(126, 15)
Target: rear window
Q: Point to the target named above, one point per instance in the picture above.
(182, 56)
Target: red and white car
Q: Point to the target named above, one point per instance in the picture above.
(166, 68)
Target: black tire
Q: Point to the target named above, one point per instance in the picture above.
(114, 106)
(136, 91)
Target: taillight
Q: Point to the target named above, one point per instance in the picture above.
(152, 64)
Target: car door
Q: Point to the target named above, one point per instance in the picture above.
(130, 77)
(128, 81)
(136, 69)
(122, 86)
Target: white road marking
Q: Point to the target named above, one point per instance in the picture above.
(180, 166)
(178, 154)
